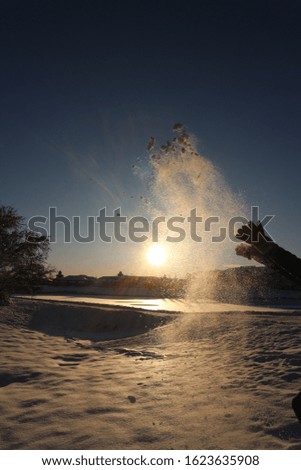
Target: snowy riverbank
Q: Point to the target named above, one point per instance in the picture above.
(105, 377)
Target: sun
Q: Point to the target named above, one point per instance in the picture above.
(156, 255)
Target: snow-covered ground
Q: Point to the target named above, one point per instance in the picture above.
(78, 376)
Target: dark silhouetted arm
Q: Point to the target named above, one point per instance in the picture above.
(259, 247)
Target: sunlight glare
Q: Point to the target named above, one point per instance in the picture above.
(156, 255)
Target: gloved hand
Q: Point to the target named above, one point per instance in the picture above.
(253, 234)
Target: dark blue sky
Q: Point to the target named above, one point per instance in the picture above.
(85, 83)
